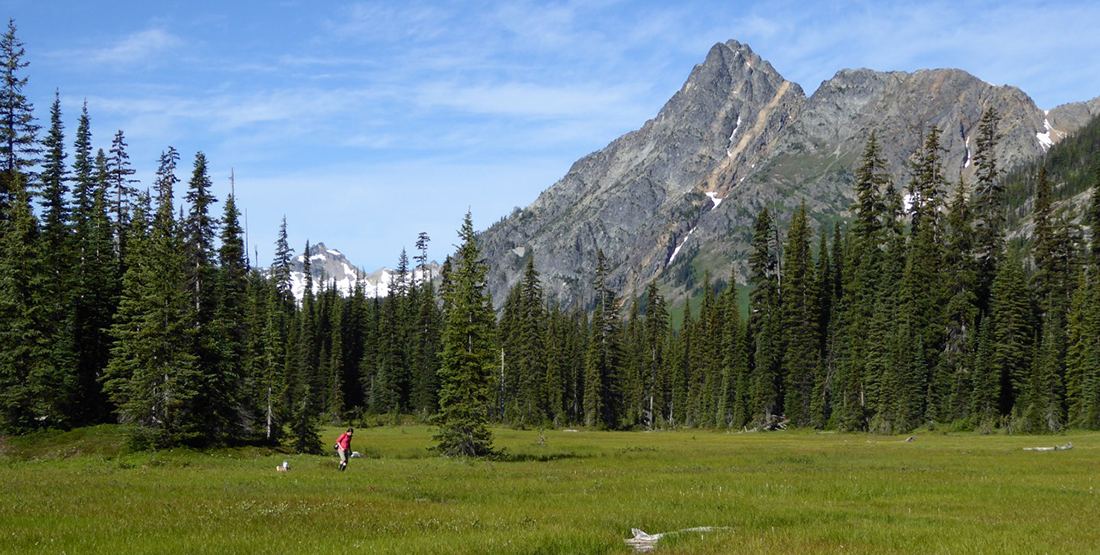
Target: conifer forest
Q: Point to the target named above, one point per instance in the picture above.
(928, 304)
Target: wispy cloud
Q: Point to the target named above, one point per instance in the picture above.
(530, 100)
(138, 47)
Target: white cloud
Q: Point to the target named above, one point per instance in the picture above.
(138, 47)
(531, 100)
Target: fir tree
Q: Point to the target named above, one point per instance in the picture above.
(28, 380)
(735, 410)
(604, 359)
(19, 147)
(765, 321)
(988, 205)
(58, 257)
(863, 267)
(200, 229)
(94, 284)
(530, 352)
(653, 359)
(280, 267)
(153, 375)
(1043, 251)
(1044, 395)
(1011, 333)
(119, 176)
(955, 373)
(230, 332)
(801, 340)
(463, 416)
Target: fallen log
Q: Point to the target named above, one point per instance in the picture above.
(1066, 447)
(644, 543)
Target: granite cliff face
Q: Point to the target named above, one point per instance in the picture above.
(681, 193)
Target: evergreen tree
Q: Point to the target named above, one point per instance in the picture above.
(153, 375)
(556, 365)
(604, 360)
(1044, 394)
(955, 373)
(229, 336)
(1011, 333)
(707, 372)
(119, 174)
(280, 267)
(801, 341)
(467, 354)
(92, 299)
(988, 205)
(307, 378)
(735, 394)
(19, 147)
(653, 359)
(765, 320)
(860, 293)
(922, 293)
(530, 353)
(680, 372)
(1092, 218)
(28, 380)
(58, 258)
(200, 229)
(1043, 251)
(426, 352)
(825, 290)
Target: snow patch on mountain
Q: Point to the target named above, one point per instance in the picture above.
(330, 269)
(677, 251)
(714, 198)
(1045, 139)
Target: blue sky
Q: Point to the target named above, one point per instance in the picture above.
(366, 123)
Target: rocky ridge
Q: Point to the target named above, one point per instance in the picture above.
(680, 194)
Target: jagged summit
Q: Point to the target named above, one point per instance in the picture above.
(679, 195)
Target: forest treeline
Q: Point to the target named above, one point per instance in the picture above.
(120, 304)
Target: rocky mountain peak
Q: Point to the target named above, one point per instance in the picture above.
(680, 194)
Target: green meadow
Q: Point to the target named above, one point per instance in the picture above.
(558, 491)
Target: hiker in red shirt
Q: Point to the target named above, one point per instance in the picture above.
(343, 448)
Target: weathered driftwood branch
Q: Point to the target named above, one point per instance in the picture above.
(1066, 447)
(644, 543)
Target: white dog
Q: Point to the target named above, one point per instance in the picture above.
(282, 467)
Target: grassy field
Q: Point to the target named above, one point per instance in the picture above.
(575, 492)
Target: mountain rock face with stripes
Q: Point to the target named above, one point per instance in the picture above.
(679, 196)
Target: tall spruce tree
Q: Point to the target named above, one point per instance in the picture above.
(653, 359)
(153, 375)
(230, 329)
(765, 320)
(19, 148)
(800, 337)
(57, 244)
(93, 300)
(604, 360)
(988, 203)
(863, 267)
(463, 416)
(955, 373)
(119, 175)
(1011, 333)
(530, 355)
(28, 380)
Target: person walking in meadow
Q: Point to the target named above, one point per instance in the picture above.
(343, 448)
